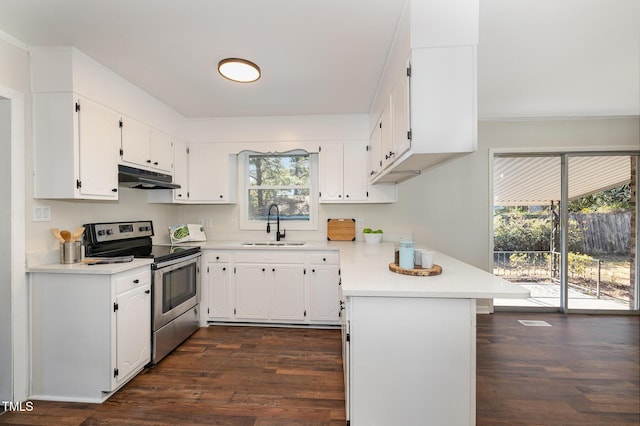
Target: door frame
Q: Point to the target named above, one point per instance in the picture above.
(19, 305)
(564, 154)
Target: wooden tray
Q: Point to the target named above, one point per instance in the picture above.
(341, 229)
(416, 271)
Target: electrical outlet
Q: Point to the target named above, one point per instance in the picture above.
(209, 222)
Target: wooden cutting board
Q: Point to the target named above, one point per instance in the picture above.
(341, 229)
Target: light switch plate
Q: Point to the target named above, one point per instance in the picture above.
(41, 213)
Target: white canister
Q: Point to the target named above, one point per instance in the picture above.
(426, 258)
(406, 254)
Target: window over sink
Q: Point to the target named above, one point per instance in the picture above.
(288, 180)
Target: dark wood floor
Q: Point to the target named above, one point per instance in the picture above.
(582, 370)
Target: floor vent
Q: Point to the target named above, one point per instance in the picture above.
(531, 323)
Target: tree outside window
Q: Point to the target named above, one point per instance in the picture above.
(281, 179)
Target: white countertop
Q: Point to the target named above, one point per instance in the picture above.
(82, 268)
(365, 272)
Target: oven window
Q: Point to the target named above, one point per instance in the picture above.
(178, 286)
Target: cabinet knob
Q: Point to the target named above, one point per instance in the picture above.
(148, 161)
(222, 196)
(179, 195)
(147, 291)
(263, 269)
(217, 257)
(155, 163)
(324, 259)
(313, 270)
(136, 281)
(114, 190)
(273, 270)
(224, 269)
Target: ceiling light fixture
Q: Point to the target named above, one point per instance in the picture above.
(239, 70)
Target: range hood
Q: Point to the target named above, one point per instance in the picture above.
(131, 177)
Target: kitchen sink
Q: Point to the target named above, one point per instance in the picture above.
(273, 244)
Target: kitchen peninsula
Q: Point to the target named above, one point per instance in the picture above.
(408, 341)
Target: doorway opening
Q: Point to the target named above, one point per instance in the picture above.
(564, 227)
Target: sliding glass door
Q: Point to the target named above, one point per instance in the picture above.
(564, 228)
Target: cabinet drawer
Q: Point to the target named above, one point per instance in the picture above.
(329, 258)
(219, 257)
(269, 256)
(132, 280)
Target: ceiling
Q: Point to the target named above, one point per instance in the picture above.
(535, 181)
(535, 58)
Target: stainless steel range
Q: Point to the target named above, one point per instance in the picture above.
(175, 282)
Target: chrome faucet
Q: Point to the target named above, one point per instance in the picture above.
(279, 235)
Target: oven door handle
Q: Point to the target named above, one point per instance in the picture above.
(164, 264)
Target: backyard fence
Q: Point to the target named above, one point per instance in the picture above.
(604, 232)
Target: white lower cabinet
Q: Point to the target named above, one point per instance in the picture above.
(90, 333)
(410, 361)
(272, 286)
(286, 297)
(252, 292)
(324, 288)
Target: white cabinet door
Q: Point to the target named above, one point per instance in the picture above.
(219, 285)
(387, 147)
(135, 142)
(133, 325)
(355, 171)
(330, 175)
(375, 151)
(287, 301)
(145, 147)
(252, 292)
(400, 116)
(161, 151)
(180, 172)
(324, 294)
(99, 138)
(211, 174)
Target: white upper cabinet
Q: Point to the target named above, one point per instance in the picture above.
(145, 147)
(211, 174)
(74, 147)
(180, 171)
(343, 175)
(330, 175)
(76, 144)
(433, 109)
